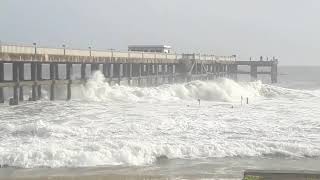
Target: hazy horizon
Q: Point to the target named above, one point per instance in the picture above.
(285, 29)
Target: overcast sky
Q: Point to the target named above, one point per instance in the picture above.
(287, 29)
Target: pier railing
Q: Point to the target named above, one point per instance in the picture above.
(32, 50)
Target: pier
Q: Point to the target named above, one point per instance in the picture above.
(130, 68)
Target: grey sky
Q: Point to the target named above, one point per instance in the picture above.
(288, 29)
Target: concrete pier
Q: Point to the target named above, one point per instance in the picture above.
(130, 68)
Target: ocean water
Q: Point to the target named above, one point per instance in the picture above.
(163, 131)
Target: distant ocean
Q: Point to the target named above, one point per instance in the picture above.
(162, 131)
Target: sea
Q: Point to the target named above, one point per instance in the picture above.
(163, 131)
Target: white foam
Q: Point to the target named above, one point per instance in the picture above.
(116, 125)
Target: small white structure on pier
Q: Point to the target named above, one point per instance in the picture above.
(150, 48)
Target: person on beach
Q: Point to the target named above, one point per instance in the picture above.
(199, 101)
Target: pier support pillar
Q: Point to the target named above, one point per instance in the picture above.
(164, 73)
(34, 80)
(110, 68)
(69, 72)
(105, 70)
(94, 68)
(21, 78)
(129, 69)
(274, 73)
(125, 69)
(254, 72)
(1, 80)
(157, 74)
(117, 71)
(39, 78)
(140, 66)
(56, 69)
(235, 72)
(52, 78)
(170, 71)
(83, 71)
(15, 78)
(147, 75)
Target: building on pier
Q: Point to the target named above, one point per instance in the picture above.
(150, 48)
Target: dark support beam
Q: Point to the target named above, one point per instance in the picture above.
(1, 80)
(39, 78)
(125, 69)
(163, 72)
(254, 72)
(157, 74)
(110, 72)
(117, 71)
(235, 72)
(274, 73)
(140, 66)
(69, 72)
(105, 70)
(170, 72)
(147, 75)
(83, 71)
(129, 67)
(56, 69)
(33, 78)
(15, 78)
(52, 78)
(94, 68)
(21, 78)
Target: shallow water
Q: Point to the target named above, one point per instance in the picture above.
(124, 130)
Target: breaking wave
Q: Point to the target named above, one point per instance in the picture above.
(223, 89)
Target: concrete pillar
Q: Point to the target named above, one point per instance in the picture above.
(56, 69)
(1, 80)
(117, 71)
(83, 71)
(110, 72)
(235, 72)
(33, 78)
(274, 73)
(254, 72)
(170, 72)
(129, 68)
(39, 78)
(211, 71)
(15, 78)
(94, 67)
(105, 70)
(218, 70)
(120, 73)
(69, 72)
(147, 74)
(139, 73)
(157, 74)
(195, 67)
(173, 73)
(52, 78)
(21, 78)
(125, 70)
